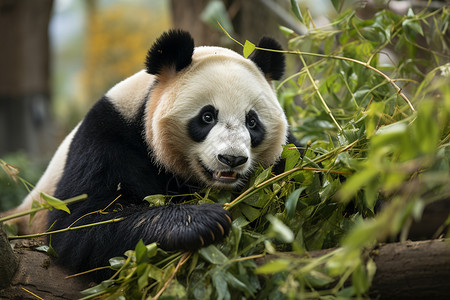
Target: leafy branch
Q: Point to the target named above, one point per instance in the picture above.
(45, 206)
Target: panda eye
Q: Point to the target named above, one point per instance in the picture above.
(251, 119)
(251, 123)
(208, 117)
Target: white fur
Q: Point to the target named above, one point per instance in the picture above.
(128, 95)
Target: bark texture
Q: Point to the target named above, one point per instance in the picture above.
(412, 270)
(38, 275)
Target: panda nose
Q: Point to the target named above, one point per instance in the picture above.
(231, 160)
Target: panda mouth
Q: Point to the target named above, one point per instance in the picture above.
(225, 176)
(221, 176)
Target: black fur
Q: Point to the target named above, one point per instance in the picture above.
(279, 167)
(271, 63)
(257, 133)
(107, 158)
(173, 49)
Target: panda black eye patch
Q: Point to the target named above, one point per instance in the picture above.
(255, 128)
(200, 125)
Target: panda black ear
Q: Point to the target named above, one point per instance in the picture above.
(272, 64)
(173, 49)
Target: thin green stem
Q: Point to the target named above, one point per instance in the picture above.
(327, 109)
(29, 236)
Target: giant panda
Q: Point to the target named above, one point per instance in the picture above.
(193, 118)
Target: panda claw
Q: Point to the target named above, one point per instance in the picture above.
(202, 241)
(221, 228)
(228, 218)
(212, 236)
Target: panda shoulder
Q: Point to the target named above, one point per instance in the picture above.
(129, 95)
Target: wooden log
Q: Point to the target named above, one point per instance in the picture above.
(409, 270)
(8, 260)
(38, 275)
(412, 270)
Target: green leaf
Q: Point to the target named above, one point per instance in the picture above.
(249, 47)
(102, 287)
(236, 283)
(425, 130)
(156, 273)
(359, 280)
(318, 279)
(274, 266)
(363, 234)
(291, 157)
(296, 10)
(286, 31)
(250, 212)
(143, 278)
(336, 4)
(152, 249)
(213, 255)
(221, 286)
(54, 202)
(292, 200)
(373, 116)
(156, 200)
(262, 176)
(47, 249)
(346, 293)
(116, 262)
(174, 291)
(371, 270)
(140, 252)
(280, 230)
(412, 25)
(356, 182)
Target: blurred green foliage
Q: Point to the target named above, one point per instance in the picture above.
(12, 192)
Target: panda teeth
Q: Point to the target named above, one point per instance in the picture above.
(227, 176)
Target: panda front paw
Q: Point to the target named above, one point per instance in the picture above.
(190, 227)
(211, 225)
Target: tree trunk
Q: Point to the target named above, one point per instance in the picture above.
(185, 15)
(251, 20)
(24, 76)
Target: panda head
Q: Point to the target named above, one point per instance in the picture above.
(212, 116)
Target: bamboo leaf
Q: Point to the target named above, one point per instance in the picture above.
(249, 47)
(280, 230)
(213, 255)
(292, 200)
(296, 10)
(55, 203)
(273, 266)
